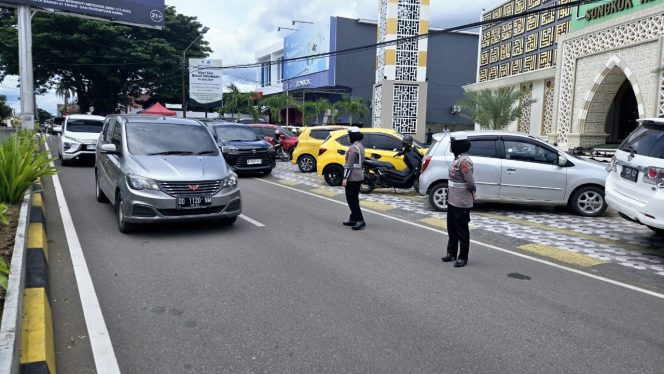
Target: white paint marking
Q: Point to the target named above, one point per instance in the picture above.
(252, 221)
(102, 348)
(490, 246)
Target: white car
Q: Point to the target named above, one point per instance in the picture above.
(635, 185)
(517, 168)
(79, 137)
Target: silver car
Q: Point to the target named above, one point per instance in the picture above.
(517, 168)
(163, 169)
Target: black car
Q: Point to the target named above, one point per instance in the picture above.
(244, 150)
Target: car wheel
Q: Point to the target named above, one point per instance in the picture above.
(588, 201)
(228, 221)
(123, 226)
(438, 197)
(99, 194)
(334, 175)
(306, 163)
(658, 231)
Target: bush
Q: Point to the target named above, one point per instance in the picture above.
(4, 269)
(21, 163)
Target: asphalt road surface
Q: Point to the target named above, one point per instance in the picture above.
(304, 294)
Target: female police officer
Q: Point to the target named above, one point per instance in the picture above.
(353, 177)
(461, 196)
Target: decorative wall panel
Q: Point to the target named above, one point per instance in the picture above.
(404, 108)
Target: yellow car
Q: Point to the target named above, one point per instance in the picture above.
(305, 153)
(380, 144)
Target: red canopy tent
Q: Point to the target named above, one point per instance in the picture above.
(159, 110)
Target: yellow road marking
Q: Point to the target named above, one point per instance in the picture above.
(289, 182)
(325, 192)
(376, 206)
(562, 255)
(37, 237)
(439, 222)
(633, 247)
(37, 331)
(37, 199)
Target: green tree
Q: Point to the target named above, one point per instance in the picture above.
(277, 103)
(5, 110)
(43, 115)
(494, 109)
(104, 62)
(320, 107)
(65, 89)
(239, 102)
(351, 107)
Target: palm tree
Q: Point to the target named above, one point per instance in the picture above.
(494, 109)
(320, 106)
(308, 110)
(239, 102)
(66, 90)
(351, 107)
(277, 103)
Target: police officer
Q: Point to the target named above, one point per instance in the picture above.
(461, 196)
(353, 177)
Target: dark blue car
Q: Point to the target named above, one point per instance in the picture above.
(244, 150)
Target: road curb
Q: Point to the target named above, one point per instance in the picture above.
(26, 333)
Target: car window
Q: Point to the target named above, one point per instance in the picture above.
(116, 135)
(320, 134)
(529, 152)
(169, 139)
(84, 125)
(385, 142)
(483, 148)
(284, 131)
(344, 140)
(236, 133)
(647, 140)
(108, 129)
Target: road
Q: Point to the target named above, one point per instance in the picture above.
(305, 294)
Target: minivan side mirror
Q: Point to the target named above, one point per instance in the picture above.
(109, 149)
(58, 130)
(562, 160)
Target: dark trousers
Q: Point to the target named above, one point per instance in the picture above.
(353, 199)
(457, 229)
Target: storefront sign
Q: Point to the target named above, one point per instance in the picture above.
(205, 83)
(614, 6)
(148, 13)
(303, 83)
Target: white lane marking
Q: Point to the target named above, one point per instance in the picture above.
(490, 246)
(252, 221)
(102, 348)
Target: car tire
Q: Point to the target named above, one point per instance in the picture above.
(438, 196)
(123, 226)
(657, 231)
(334, 175)
(306, 163)
(588, 201)
(228, 221)
(99, 194)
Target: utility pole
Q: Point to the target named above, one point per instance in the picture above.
(184, 68)
(25, 67)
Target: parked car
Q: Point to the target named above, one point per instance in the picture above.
(517, 168)
(269, 132)
(244, 150)
(306, 150)
(635, 185)
(79, 137)
(57, 124)
(156, 169)
(379, 144)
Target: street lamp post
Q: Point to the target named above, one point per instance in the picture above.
(184, 68)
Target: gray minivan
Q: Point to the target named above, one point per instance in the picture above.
(155, 168)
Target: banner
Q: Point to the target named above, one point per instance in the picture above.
(148, 13)
(205, 83)
(309, 40)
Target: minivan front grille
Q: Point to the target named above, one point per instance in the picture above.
(200, 188)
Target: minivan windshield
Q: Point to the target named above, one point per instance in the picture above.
(84, 125)
(236, 133)
(647, 140)
(147, 139)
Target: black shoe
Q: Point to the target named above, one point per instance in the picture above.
(359, 225)
(460, 263)
(448, 258)
(349, 223)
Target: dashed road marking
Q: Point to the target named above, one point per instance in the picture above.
(325, 192)
(376, 206)
(562, 255)
(252, 221)
(289, 182)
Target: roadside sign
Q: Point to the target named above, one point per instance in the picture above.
(205, 83)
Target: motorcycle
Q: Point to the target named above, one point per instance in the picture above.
(378, 174)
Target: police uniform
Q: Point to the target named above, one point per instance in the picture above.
(461, 196)
(353, 176)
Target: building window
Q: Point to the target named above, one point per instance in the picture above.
(266, 74)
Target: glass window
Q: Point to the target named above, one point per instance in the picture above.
(483, 148)
(169, 139)
(108, 129)
(385, 142)
(320, 134)
(647, 140)
(84, 125)
(116, 135)
(529, 152)
(344, 140)
(236, 133)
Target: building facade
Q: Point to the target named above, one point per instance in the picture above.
(604, 71)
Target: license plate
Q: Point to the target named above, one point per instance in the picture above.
(254, 161)
(629, 173)
(194, 202)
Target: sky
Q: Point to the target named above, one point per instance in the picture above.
(238, 28)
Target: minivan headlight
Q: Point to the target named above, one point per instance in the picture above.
(72, 139)
(229, 149)
(229, 182)
(141, 183)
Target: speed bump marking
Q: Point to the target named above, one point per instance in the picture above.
(562, 255)
(439, 223)
(289, 182)
(325, 192)
(376, 206)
